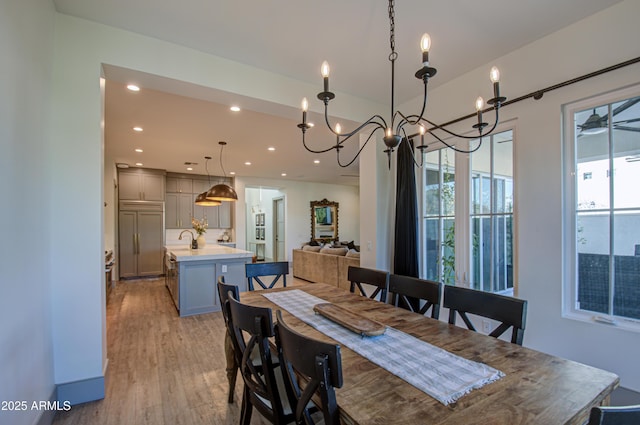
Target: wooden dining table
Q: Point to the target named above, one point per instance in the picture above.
(537, 388)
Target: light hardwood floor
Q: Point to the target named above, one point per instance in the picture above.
(163, 369)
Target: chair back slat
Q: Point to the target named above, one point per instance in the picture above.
(615, 415)
(407, 292)
(377, 278)
(313, 368)
(254, 271)
(224, 290)
(252, 327)
(510, 311)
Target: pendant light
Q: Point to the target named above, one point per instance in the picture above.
(201, 199)
(222, 192)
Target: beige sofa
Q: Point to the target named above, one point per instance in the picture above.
(329, 266)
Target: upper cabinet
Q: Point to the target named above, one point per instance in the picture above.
(180, 185)
(180, 207)
(141, 185)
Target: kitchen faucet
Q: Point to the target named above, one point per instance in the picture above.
(193, 239)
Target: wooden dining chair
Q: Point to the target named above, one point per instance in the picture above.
(313, 368)
(377, 278)
(232, 365)
(264, 386)
(511, 312)
(409, 292)
(615, 415)
(278, 270)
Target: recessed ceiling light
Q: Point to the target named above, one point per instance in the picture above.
(189, 169)
(235, 108)
(247, 163)
(139, 150)
(133, 87)
(316, 161)
(139, 164)
(284, 174)
(233, 173)
(271, 148)
(138, 129)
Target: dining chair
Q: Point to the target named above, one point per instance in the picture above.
(511, 312)
(615, 415)
(264, 386)
(232, 365)
(408, 292)
(278, 270)
(313, 368)
(377, 278)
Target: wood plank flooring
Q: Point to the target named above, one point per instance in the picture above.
(163, 369)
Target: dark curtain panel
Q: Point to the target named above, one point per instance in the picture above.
(405, 257)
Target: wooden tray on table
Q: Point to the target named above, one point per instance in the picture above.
(350, 320)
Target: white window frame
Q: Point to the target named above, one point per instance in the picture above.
(463, 234)
(569, 243)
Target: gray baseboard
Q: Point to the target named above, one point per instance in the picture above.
(81, 391)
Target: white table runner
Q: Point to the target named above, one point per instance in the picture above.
(444, 376)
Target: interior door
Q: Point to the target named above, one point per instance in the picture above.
(279, 219)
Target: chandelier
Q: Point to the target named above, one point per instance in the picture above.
(396, 130)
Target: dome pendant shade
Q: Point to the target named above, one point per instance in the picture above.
(222, 192)
(202, 200)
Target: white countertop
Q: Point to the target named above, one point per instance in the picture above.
(209, 252)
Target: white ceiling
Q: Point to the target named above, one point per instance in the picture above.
(292, 38)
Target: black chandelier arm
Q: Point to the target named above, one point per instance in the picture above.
(435, 127)
(406, 139)
(359, 150)
(407, 119)
(304, 143)
(453, 147)
(375, 119)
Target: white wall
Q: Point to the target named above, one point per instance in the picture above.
(76, 162)
(604, 39)
(26, 347)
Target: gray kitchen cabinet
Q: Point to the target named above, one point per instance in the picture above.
(196, 283)
(141, 185)
(218, 217)
(179, 210)
(179, 185)
(141, 241)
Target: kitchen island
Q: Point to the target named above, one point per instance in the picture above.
(192, 275)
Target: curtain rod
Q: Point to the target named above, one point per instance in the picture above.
(537, 95)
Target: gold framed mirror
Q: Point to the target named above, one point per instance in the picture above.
(324, 220)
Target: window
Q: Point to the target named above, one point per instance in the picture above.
(468, 215)
(439, 216)
(492, 214)
(603, 208)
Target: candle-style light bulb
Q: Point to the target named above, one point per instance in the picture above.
(338, 128)
(421, 130)
(494, 75)
(388, 132)
(495, 79)
(479, 106)
(425, 45)
(305, 107)
(324, 69)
